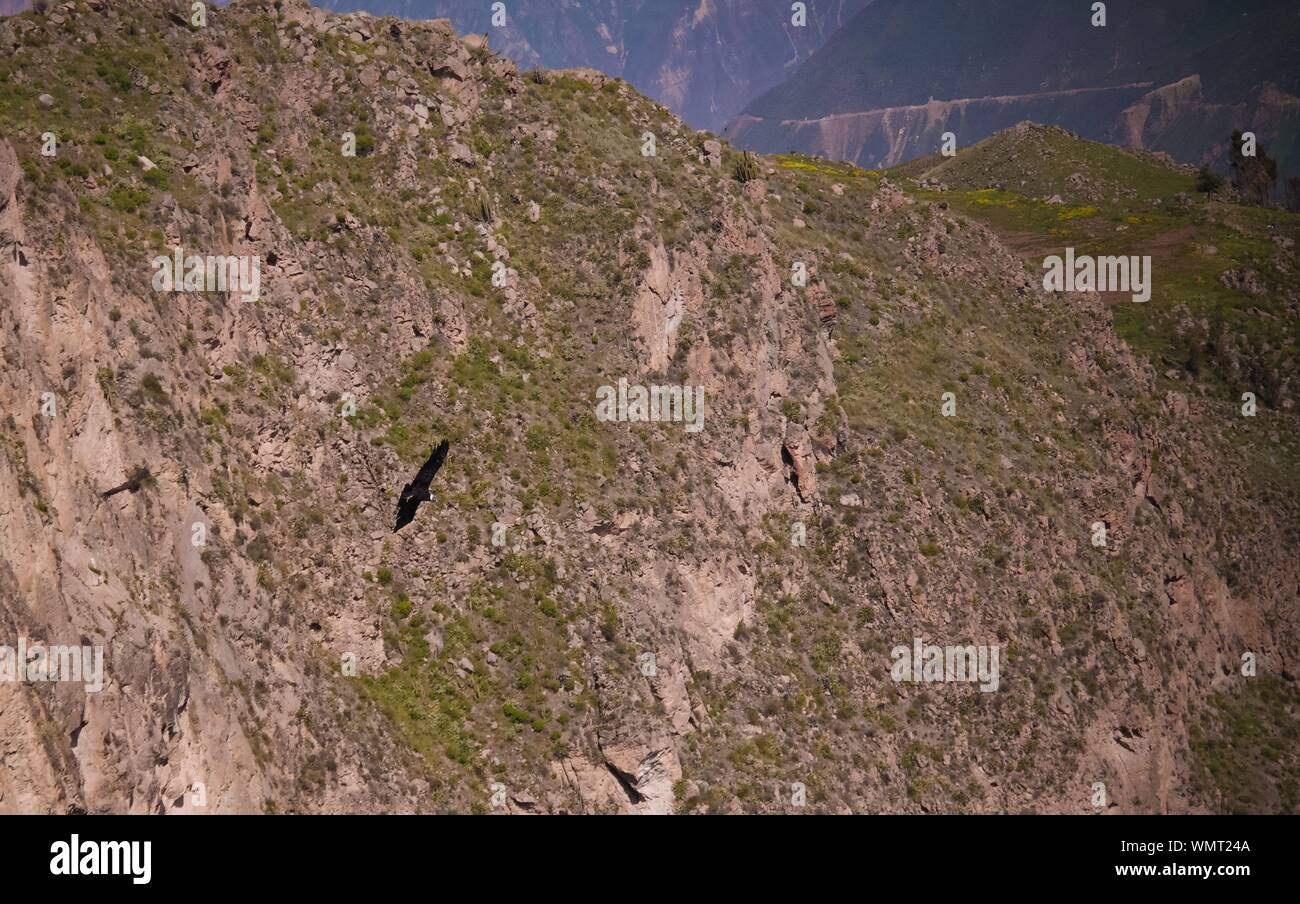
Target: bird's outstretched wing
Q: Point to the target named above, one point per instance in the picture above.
(431, 468)
(406, 507)
(417, 490)
(133, 483)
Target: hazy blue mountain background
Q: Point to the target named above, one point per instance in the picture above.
(1167, 76)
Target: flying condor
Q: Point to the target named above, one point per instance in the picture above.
(133, 483)
(417, 490)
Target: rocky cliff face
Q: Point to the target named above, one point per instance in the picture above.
(590, 615)
(1169, 77)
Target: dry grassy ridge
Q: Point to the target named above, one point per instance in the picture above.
(511, 679)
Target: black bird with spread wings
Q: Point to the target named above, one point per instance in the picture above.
(417, 490)
(133, 483)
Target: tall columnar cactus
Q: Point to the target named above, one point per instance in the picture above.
(745, 169)
(480, 207)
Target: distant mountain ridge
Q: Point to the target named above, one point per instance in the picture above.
(704, 59)
(1162, 76)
